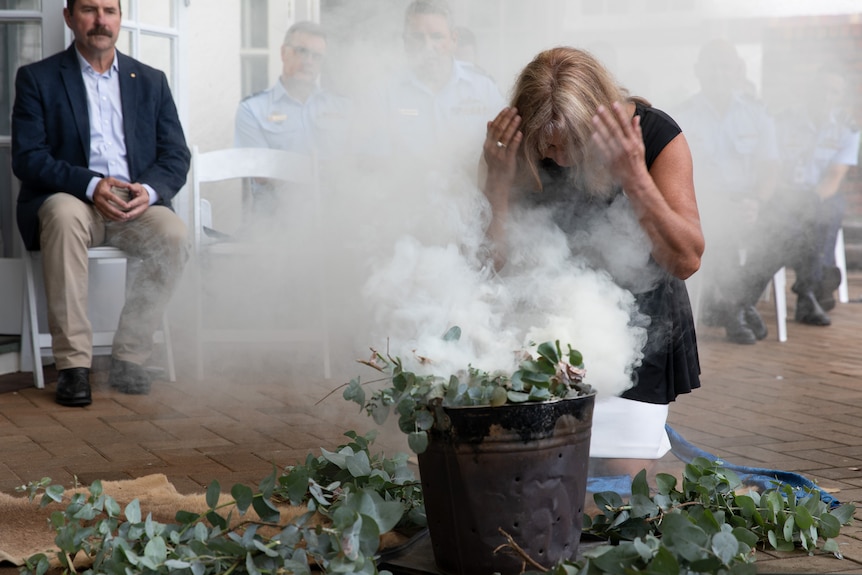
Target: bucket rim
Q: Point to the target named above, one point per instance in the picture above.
(507, 405)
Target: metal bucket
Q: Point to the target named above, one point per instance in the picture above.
(521, 468)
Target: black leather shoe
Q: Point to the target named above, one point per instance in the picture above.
(808, 311)
(754, 322)
(129, 377)
(73, 387)
(825, 292)
(737, 330)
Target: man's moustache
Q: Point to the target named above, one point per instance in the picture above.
(100, 32)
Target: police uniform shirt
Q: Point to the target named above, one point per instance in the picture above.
(274, 119)
(423, 123)
(728, 148)
(808, 150)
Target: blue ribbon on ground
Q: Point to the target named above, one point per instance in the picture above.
(686, 452)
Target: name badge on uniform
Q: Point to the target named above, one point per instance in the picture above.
(277, 118)
(408, 112)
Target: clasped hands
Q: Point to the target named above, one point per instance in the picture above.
(114, 208)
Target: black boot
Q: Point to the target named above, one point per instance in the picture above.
(825, 292)
(809, 311)
(754, 322)
(736, 328)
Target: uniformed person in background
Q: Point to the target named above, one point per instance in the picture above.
(732, 140)
(437, 110)
(819, 143)
(295, 113)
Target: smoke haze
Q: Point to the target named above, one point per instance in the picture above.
(400, 242)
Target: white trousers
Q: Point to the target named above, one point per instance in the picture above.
(623, 428)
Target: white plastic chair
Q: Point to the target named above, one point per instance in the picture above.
(779, 290)
(779, 295)
(38, 343)
(242, 163)
(841, 263)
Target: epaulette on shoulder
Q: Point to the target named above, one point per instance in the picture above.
(254, 95)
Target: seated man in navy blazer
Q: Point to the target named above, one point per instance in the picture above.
(100, 152)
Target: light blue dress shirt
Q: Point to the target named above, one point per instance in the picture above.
(107, 137)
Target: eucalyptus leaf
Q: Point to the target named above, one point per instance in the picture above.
(418, 441)
(549, 351)
(133, 511)
(640, 486)
(829, 526)
(683, 537)
(358, 464)
(843, 513)
(643, 506)
(499, 396)
(385, 514)
(156, 550)
(540, 394)
(265, 509)
(575, 357)
(379, 413)
(725, 546)
(665, 483)
(424, 420)
(266, 550)
(803, 517)
(518, 396)
(354, 392)
(664, 563)
(296, 484)
(54, 493)
(787, 528)
(250, 566)
(243, 496)
(452, 334)
(216, 520)
(212, 496)
(369, 537)
(339, 459)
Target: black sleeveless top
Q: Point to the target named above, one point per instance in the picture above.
(671, 365)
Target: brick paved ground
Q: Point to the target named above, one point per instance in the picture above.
(792, 406)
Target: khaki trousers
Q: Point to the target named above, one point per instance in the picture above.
(68, 227)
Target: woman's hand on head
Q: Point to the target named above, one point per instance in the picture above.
(502, 140)
(618, 138)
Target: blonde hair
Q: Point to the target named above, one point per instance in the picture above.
(560, 91)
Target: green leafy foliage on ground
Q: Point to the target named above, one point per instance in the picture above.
(708, 524)
(359, 495)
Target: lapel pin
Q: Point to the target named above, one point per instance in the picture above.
(132, 74)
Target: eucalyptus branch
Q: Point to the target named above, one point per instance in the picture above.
(512, 544)
(663, 512)
(343, 385)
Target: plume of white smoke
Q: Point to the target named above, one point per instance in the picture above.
(543, 294)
